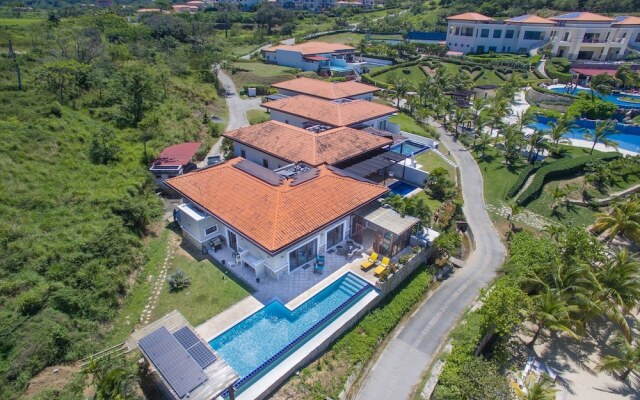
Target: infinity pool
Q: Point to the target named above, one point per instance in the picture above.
(612, 98)
(261, 340)
(626, 141)
(409, 147)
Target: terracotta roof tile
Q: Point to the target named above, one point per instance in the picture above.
(582, 17)
(274, 216)
(627, 20)
(295, 145)
(324, 89)
(470, 16)
(329, 112)
(310, 48)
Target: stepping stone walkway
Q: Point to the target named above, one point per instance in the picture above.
(526, 217)
(448, 161)
(156, 290)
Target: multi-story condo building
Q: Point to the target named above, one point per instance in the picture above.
(576, 36)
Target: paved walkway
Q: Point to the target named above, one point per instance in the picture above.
(416, 344)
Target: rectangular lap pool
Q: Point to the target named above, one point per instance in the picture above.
(409, 147)
(260, 341)
(401, 188)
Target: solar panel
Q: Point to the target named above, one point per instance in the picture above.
(172, 361)
(186, 337)
(260, 172)
(202, 354)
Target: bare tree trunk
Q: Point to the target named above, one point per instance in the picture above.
(16, 66)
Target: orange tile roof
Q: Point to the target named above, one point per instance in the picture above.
(329, 112)
(530, 19)
(470, 16)
(309, 48)
(295, 145)
(582, 17)
(631, 20)
(324, 89)
(274, 216)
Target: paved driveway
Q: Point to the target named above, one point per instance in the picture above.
(416, 344)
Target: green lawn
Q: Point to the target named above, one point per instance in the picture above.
(19, 21)
(259, 73)
(408, 124)
(257, 116)
(213, 289)
(350, 38)
(430, 161)
(571, 215)
(415, 75)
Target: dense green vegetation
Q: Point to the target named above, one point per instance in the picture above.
(100, 97)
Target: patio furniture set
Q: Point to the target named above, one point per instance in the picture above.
(350, 250)
(381, 266)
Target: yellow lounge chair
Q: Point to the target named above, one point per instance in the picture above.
(370, 262)
(384, 264)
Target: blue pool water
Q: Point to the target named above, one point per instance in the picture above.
(627, 141)
(401, 188)
(613, 98)
(258, 341)
(340, 69)
(409, 147)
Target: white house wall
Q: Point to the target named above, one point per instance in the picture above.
(257, 156)
(288, 118)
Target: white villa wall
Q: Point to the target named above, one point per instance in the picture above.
(293, 59)
(411, 175)
(288, 118)
(258, 156)
(566, 40)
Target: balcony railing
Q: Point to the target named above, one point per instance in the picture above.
(593, 40)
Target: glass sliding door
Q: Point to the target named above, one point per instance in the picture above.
(335, 235)
(303, 254)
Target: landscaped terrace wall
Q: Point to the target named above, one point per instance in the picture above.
(404, 271)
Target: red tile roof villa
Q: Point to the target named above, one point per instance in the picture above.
(274, 214)
(324, 89)
(296, 145)
(311, 48)
(176, 155)
(328, 112)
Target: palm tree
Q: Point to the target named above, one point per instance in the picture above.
(514, 209)
(513, 138)
(559, 129)
(599, 135)
(626, 76)
(556, 197)
(541, 390)
(498, 109)
(549, 310)
(401, 88)
(603, 84)
(555, 231)
(525, 118)
(481, 142)
(619, 279)
(627, 359)
(623, 218)
(537, 143)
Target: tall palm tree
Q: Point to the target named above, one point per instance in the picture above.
(626, 361)
(558, 131)
(498, 109)
(603, 84)
(556, 197)
(623, 218)
(555, 231)
(549, 310)
(401, 88)
(512, 140)
(626, 76)
(537, 143)
(482, 141)
(525, 118)
(599, 135)
(619, 279)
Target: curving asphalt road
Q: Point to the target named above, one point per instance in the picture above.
(415, 345)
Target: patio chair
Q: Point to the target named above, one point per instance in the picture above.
(340, 250)
(319, 266)
(384, 264)
(370, 262)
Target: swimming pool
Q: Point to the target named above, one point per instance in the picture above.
(340, 69)
(401, 188)
(409, 147)
(612, 98)
(260, 341)
(626, 141)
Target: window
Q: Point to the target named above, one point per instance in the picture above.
(243, 154)
(265, 163)
(484, 33)
(334, 236)
(508, 34)
(497, 34)
(533, 35)
(480, 49)
(492, 49)
(303, 255)
(566, 36)
(210, 230)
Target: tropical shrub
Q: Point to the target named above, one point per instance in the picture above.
(178, 281)
(560, 169)
(591, 107)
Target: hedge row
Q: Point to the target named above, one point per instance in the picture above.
(540, 89)
(522, 178)
(551, 68)
(560, 169)
(368, 78)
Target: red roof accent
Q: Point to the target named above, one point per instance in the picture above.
(315, 58)
(178, 154)
(470, 17)
(594, 71)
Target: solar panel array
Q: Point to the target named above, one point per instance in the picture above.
(173, 361)
(200, 352)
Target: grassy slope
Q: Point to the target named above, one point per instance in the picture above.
(257, 72)
(257, 116)
(408, 124)
(415, 75)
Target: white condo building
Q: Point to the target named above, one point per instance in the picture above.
(576, 36)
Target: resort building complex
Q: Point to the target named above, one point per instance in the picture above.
(576, 36)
